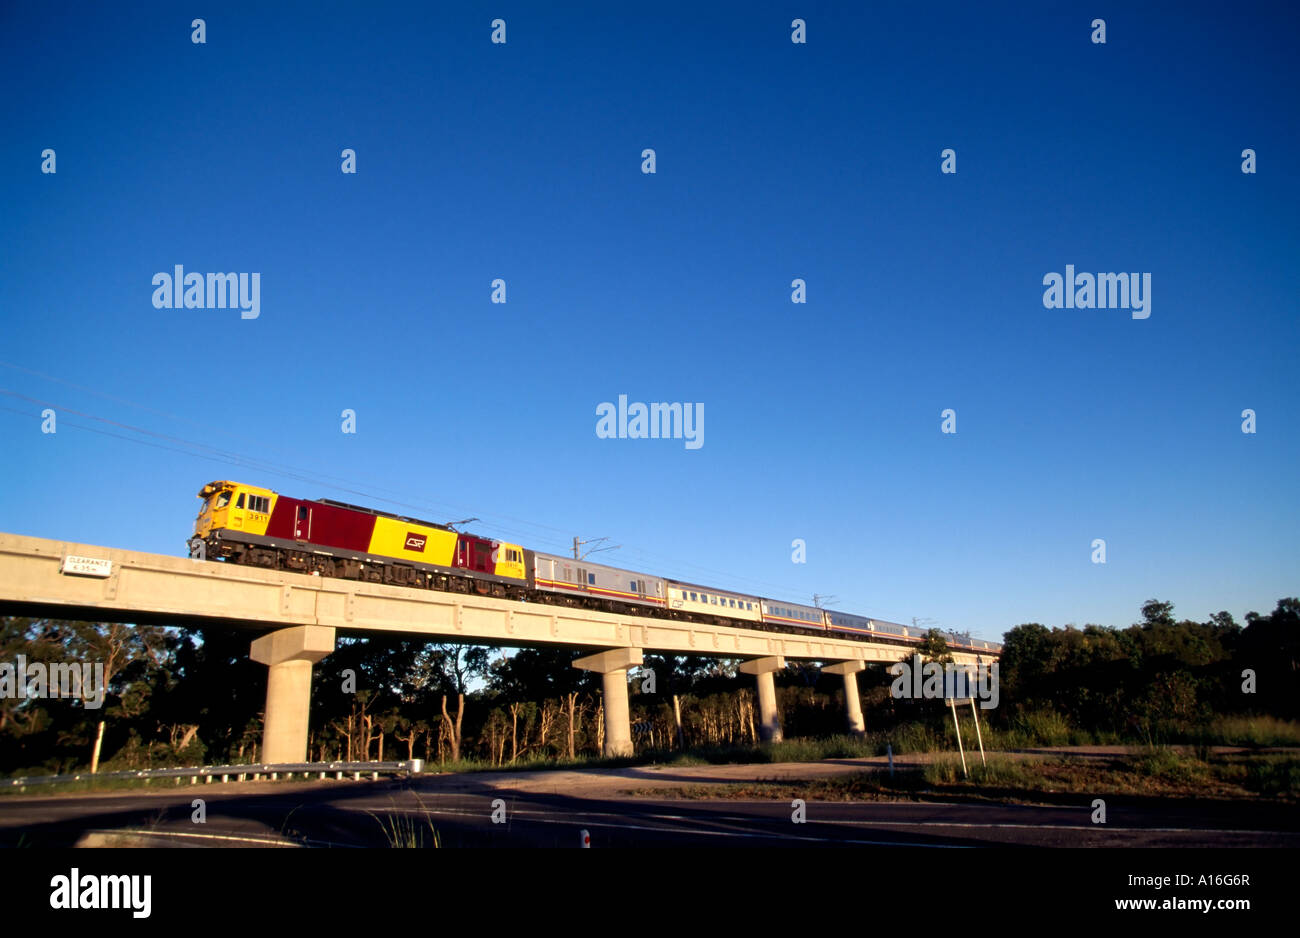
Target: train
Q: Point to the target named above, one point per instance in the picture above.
(248, 524)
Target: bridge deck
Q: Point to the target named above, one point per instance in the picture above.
(143, 587)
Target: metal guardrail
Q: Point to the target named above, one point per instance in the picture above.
(271, 770)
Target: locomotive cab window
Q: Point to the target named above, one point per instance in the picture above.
(240, 502)
(302, 512)
(223, 499)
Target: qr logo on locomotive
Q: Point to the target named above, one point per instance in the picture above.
(415, 541)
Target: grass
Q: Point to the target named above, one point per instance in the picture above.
(1035, 729)
(1250, 731)
(998, 772)
(1155, 772)
(405, 831)
(1165, 764)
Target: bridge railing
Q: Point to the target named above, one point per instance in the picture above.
(225, 772)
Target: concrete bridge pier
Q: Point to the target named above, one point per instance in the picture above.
(289, 653)
(613, 665)
(852, 702)
(769, 727)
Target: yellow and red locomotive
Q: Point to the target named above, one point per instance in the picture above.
(251, 525)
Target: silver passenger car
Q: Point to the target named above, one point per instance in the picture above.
(584, 578)
(848, 622)
(780, 612)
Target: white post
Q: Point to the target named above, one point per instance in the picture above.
(953, 701)
(94, 755)
(978, 735)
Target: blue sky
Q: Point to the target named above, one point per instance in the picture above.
(775, 161)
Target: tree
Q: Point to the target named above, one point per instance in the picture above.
(934, 647)
(541, 673)
(126, 652)
(1154, 612)
(447, 668)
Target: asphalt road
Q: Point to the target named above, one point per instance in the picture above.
(550, 809)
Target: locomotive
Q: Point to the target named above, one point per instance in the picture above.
(247, 524)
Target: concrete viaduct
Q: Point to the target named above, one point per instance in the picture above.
(300, 616)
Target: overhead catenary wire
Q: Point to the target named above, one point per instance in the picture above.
(216, 454)
(555, 540)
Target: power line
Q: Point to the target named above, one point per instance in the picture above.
(257, 464)
(595, 550)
